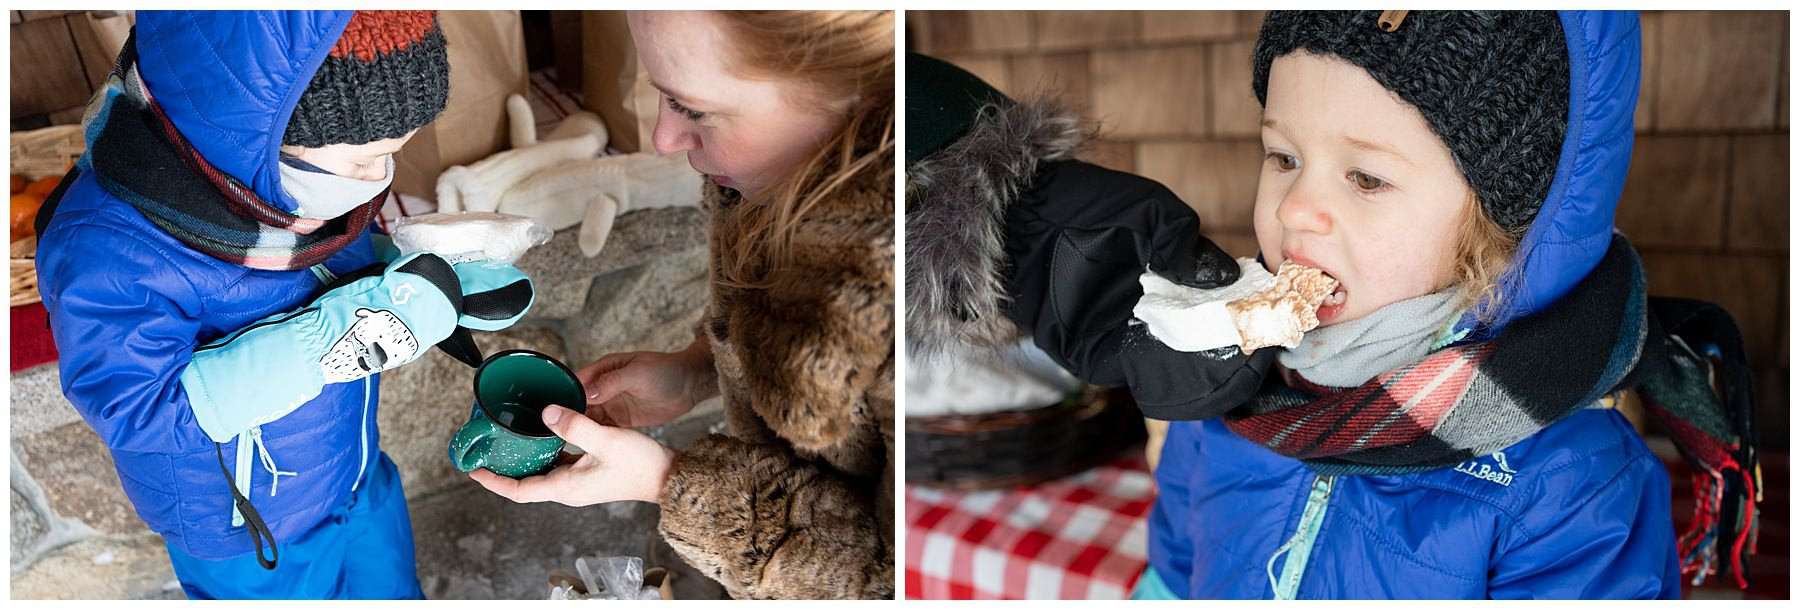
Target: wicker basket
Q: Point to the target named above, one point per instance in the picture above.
(23, 287)
(39, 153)
(1021, 448)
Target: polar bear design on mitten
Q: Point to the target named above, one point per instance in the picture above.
(378, 340)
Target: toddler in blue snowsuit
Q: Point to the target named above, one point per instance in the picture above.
(223, 309)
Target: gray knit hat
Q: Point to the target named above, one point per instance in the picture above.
(388, 74)
(1493, 85)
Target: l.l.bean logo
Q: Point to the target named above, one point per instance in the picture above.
(1497, 472)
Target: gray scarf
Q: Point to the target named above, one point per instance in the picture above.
(1401, 333)
(324, 195)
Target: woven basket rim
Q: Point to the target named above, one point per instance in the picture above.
(1088, 402)
(991, 451)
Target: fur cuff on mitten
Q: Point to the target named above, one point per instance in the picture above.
(768, 525)
(956, 206)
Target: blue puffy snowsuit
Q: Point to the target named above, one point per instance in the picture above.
(129, 304)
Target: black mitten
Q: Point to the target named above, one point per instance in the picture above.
(1173, 385)
(1077, 241)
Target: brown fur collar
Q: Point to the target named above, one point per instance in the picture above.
(796, 503)
(802, 351)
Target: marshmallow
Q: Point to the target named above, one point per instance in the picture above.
(1259, 310)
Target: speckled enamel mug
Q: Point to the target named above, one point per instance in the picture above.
(505, 433)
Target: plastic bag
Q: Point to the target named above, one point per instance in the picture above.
(610, 578)
(469, 236)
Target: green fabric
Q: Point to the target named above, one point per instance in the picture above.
(1151, 586)
(385, 250)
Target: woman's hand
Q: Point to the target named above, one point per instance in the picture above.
(619, 464)
(637, 389)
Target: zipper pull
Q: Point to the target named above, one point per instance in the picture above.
(268, 461)
(1299, 546)
(260, 534)
(325, 276)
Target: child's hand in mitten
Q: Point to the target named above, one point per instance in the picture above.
(371, 322)
(1076, 243)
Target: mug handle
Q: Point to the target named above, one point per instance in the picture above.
(468, 451)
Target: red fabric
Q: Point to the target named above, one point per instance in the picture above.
(1768, 569)
(31, 343)
(1081, 537)
(371, 34)
(1344, 421)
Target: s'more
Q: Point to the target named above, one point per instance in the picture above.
(1261, 309)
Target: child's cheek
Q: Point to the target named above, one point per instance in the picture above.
(1415, 274)
(1268, 228)
(1429, 268)
(1380, 271)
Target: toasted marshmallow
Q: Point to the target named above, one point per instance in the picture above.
(1259, 310)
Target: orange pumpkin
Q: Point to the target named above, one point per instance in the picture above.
(42, 187)
(24, 213)
(25, 204)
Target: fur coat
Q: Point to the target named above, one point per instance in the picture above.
(797, 502)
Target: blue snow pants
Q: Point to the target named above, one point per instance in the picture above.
(363, 550)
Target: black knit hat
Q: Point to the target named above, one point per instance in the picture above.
(1493, 85)
(942, 102)
(387, 75)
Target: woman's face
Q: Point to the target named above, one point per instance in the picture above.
(1354, 183)
(359, 161)
(744, 134)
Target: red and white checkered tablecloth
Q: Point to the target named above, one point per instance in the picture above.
(1083, 537)
(1080, 537)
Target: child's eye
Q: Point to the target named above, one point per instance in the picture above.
(1284, 162)
(1367, 182)
(690, 113)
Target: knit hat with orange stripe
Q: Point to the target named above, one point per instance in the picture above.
(386, 76)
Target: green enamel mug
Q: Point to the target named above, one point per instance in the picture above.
(505, 432)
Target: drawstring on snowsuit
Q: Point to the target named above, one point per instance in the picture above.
(259, 531)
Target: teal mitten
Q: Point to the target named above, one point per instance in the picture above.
(495, 295)
(266, 370)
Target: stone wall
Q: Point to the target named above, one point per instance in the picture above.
(74, 535)
(1706, 201)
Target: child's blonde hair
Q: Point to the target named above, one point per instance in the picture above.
(1484, 249)
(839, 57)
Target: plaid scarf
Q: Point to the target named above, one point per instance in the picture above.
(1476, 398)
(139, 156)
(1713, 429)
